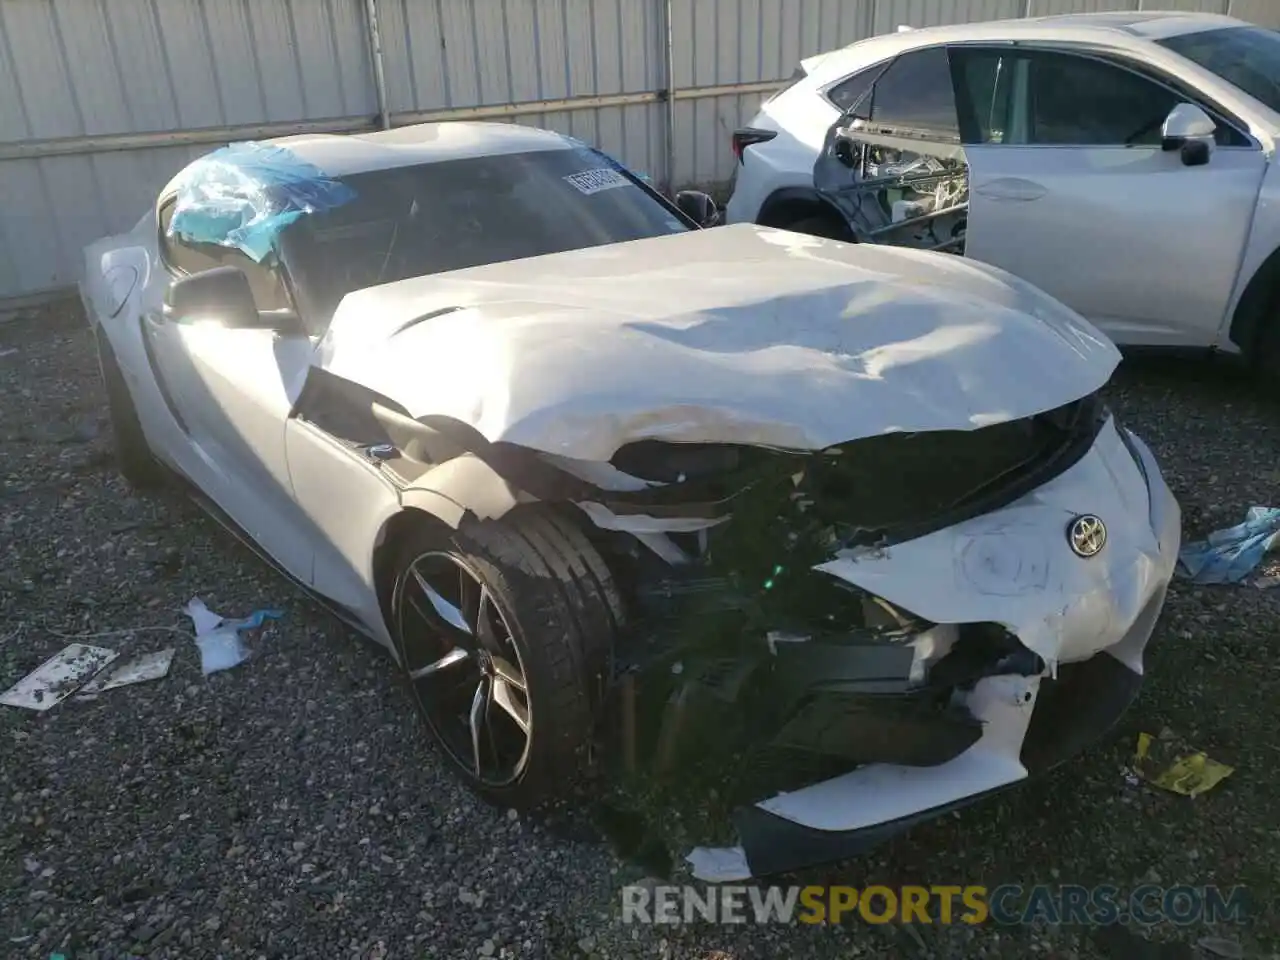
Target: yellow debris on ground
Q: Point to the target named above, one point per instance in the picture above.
(1189, 774)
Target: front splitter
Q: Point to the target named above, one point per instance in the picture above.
(1072, 711)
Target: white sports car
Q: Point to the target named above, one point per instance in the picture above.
(1122, 162)
(604, 481)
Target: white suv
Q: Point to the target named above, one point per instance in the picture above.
(1122, 162)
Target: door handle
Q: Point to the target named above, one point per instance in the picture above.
(1012, 188)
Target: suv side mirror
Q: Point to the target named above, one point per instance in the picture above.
(698, 207)
(221, 293)
(1189, 130)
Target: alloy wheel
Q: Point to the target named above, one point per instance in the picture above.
(464, 666)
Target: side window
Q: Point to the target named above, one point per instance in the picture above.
(915, 92)
(852, 89)
(1226, 134)
(983, 79)
(186, 258)
(1082, 102)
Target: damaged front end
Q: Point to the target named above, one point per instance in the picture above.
(858, 638)
(844, 642)
(740, 612)
(835, 486)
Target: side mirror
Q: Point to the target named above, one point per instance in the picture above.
(1189, 130)
(221, 294)
(698, 207)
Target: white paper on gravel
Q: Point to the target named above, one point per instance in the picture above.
(148, 666)
(58, 677)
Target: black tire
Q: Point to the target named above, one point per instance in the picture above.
(827, 227)
(1265, 358)
(134, 459)
(557, 600)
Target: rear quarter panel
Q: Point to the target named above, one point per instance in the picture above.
(123, 281)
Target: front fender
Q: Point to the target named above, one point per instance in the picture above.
(463, 485)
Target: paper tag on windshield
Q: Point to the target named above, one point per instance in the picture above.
(593, 181)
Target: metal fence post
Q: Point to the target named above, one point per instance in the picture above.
(379, 71)
(670, 114)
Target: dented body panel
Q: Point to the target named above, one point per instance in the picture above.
(1015, 566)
(738, 335)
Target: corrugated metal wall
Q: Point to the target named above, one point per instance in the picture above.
(101, 101)
(74, 68)
(455, 53)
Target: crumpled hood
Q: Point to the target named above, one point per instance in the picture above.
(740, 334)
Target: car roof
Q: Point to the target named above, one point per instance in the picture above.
(1135, 23)
(339, 155)
(1113, 28)
(342, 154)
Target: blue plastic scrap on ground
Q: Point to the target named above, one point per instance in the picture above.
(1230, 555)
(244, 194)
(219, 640)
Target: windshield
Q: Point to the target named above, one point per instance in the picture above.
(1248, 57)
(435, 217)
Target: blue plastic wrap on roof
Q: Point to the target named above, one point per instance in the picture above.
(244, 194)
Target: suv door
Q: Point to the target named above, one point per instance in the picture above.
(1071, 190)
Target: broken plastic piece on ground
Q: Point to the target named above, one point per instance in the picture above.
(719, 864)
(221, 649)
(219, 640)
(1230, 555)
(202, 618)
(1189, 774)
(58, 677)
(148, 666)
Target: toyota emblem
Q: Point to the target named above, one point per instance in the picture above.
(1087, 536)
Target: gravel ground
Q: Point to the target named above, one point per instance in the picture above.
(290, 808)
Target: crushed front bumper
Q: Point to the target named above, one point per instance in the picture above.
(1090, 618)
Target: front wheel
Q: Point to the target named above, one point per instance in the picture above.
(504, 631)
